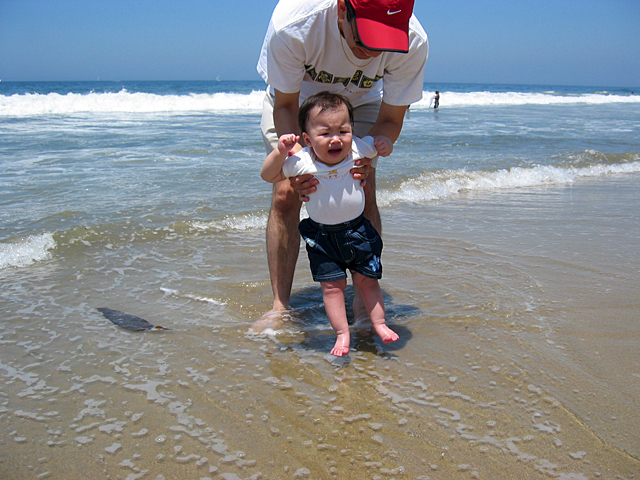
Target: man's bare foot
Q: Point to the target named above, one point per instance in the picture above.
(386, 334)
(362, 325)
(341, 348)
(273, 319)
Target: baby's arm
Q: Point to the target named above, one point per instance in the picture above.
(272, 168)
(383, 145)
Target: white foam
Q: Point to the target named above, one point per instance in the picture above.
(123, 101)
(33, 248)
(233, 222)
(441, 185)
(138, 102)
(470, 99)
(28, 378)
(192, 296)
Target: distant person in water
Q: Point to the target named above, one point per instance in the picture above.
(337, 235)
(436, 99)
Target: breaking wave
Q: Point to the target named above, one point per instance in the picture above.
(430, 186)
(137, 102)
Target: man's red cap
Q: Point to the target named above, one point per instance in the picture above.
(383, 24)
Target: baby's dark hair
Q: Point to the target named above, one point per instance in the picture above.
(326, 101)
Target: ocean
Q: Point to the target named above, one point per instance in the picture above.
(511, 222)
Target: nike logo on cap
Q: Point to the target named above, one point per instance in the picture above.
(389, 12)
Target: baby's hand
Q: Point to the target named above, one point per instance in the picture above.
(383, 145)
(286, 142)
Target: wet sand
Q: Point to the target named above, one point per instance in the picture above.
(518, 358)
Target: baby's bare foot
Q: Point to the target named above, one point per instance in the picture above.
(341, 348)
(386, 334)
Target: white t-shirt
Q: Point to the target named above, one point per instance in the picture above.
(339, 197)
(304, 52)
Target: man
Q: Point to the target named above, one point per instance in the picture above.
(371, 51)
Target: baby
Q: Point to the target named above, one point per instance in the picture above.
(337, 235)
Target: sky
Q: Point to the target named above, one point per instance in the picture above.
(546, 42)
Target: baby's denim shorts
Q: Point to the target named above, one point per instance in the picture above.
(332, 249)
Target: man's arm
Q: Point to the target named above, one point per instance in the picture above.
(389, 122)
(285, 113)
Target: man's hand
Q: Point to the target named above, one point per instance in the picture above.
(361, 170)
(304, 185)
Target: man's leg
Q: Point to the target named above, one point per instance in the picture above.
(283, 242)
(365, 117)
(371, 211)
(283, 239)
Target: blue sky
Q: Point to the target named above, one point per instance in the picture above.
(550, 42)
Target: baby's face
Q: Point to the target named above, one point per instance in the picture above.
(329, 134)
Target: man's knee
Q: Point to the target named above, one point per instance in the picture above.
(285, 203)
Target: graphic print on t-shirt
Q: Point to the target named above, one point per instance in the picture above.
(359, 78)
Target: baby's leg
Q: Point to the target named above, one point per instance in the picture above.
(333, 296)
(372, 296)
